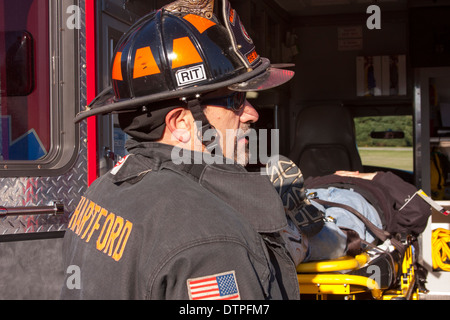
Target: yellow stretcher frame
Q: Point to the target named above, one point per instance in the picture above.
(326, 278)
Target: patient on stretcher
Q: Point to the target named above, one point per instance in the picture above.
(377, 196)
(331, 241)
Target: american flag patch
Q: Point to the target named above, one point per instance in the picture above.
(221, 286)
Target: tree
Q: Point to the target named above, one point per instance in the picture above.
(365, 125)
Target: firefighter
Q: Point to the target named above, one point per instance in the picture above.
(180, 217)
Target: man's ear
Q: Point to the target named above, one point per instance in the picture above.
(178, 122)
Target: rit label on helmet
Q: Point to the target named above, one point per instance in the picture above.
(190, 75)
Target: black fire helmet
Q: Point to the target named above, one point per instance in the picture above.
(182, 51)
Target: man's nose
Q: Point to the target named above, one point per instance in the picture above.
(249, 114)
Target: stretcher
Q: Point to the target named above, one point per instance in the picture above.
(376, 274)
(384, 272)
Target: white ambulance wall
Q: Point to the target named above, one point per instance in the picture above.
(323, 72)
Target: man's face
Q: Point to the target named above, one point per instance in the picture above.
(231, 126)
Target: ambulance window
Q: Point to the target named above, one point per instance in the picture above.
(385, 141)
(39, 83)
(24, 100)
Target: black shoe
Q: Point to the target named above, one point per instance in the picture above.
(288, 180)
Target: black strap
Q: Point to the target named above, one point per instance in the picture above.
(381, 234)
(199, 116)
(307, 218)
(353, 242)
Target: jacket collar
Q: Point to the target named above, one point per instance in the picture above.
(250, 193)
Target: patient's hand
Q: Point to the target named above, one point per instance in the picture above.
(356, 174)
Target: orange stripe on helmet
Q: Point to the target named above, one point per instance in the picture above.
(184, 53)
(200, 23)
(144, 63)
(232, 15)
(117, 67)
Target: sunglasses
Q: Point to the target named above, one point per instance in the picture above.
(234, 101)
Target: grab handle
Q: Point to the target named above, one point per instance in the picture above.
(56, 208)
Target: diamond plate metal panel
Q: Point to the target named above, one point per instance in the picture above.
(39, 191)
(24, 191)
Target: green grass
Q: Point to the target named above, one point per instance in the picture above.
(399, 158)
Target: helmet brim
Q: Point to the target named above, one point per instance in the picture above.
(272, 78)
(263, 77)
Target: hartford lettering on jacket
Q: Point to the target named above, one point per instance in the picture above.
(110, 232)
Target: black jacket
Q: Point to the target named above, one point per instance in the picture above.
(151, 229)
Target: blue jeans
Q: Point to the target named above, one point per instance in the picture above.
(330, 242)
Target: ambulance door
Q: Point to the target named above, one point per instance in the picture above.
(39, 96)
(115, 18)
(42, 152)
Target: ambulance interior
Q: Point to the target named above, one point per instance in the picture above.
(329, 99)
(321, 113)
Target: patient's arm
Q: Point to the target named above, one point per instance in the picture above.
(356, 174)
